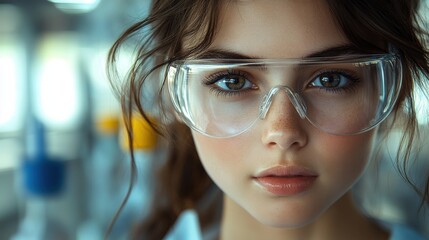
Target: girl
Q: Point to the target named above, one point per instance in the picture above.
(273, 110)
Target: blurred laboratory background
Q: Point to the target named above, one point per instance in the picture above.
(63, 165)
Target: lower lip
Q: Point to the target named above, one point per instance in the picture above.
(286, 186)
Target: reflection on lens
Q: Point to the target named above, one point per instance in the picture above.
(341, 97)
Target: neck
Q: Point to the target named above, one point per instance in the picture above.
(341, 221)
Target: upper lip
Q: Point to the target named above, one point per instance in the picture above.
(286, 171)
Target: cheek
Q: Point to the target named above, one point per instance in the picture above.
(216, 153)
(345, 158)
(223, 159)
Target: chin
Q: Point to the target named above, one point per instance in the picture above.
(289, 223)
(285, 219)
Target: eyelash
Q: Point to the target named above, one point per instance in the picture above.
(354, 80)
(214, 78)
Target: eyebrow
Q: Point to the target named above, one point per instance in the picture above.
(336, 51)
(218, 53)
(341, 50)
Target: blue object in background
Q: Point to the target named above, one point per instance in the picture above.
(42, 175)
(43, 178)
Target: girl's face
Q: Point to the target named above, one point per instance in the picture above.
(284, 171)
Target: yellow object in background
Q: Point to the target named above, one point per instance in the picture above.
(144, 136)
(108, 124)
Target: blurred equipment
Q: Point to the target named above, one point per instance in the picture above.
(43, 180)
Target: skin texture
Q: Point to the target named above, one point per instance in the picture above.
(285, 29)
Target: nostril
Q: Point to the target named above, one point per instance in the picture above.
(285, 139)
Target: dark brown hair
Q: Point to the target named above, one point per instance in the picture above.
(182, 181)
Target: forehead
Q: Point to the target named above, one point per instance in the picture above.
(277, 28)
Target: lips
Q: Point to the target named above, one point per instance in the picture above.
(286, 180)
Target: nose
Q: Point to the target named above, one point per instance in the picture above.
(283, 112)
(294, 98)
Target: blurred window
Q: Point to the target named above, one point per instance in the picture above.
(13, 70)
(58, 86)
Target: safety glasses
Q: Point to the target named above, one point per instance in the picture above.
(339, 95)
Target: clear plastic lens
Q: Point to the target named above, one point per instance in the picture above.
(224, 98)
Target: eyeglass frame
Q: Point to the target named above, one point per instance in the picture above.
(354, 58)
